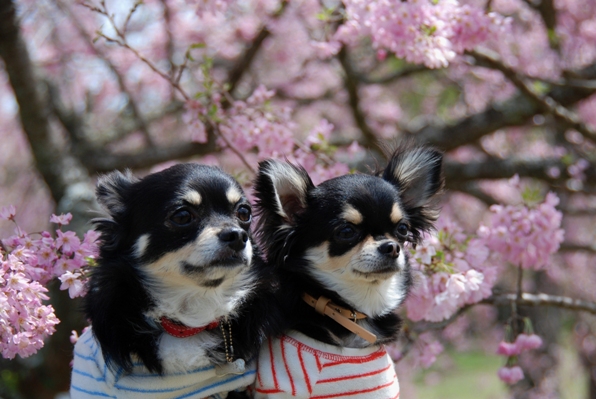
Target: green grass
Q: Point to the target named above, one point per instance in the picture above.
(574, 379)
(468, 376)
(473, 375)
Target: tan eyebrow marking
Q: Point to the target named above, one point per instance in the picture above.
(352, 215)
(193, 197)
(396, 214)
(233, 195)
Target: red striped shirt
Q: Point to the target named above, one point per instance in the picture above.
(298, 366)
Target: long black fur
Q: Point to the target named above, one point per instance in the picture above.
(309, 222)
(119, 293)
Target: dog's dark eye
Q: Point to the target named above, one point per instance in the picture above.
(182, 217)
(244, 214)
(346, 233)
(402, 229)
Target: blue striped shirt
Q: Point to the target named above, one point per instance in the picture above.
(92, 378)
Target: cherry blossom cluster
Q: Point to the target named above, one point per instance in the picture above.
(420, 31)
(452, 269)
(426, 349)
(523, 235)
(256, 125)
(24, 321)
(209, 6)
(512, 373)
(28, 263)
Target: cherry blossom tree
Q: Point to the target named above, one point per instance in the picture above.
(506, 88)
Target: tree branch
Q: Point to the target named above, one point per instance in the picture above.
(542, 300)
(547, 104)
(354, 101)
(59, 170)
(457, 173)
(132, 105)
(98, 161)
(525, 299)
(125, 125)
(402, 73)
(568, 247)
(471, 188)
(547, 11)
(245, 60)
(167, 17)
(515, 111)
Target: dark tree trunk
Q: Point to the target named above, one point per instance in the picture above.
(48, 372)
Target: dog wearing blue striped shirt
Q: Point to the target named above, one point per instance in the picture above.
(179, 301)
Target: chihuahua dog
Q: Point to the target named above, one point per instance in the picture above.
(179, 301)
(340, 257)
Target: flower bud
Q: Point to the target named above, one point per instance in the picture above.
(510, 375)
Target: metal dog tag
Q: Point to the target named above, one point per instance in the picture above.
(238, 366)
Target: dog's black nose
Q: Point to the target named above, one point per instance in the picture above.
(234, 238)
(389, 248)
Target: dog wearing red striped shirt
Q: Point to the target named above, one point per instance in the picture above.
(339, 254)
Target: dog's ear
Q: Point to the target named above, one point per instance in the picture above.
(416, 172)
(112, 191)
(281, 190)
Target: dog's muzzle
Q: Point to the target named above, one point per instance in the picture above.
(234, 238)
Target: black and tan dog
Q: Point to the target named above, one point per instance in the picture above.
(338, 250)
(180, 300)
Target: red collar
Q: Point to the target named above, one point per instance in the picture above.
(179, 330)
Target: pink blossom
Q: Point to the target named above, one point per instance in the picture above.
(425, 252)
(381, 55)
(420, 301)
(326, 50)
(46, 256)
(426, 349)
(74, 337)
(61, 220)
(528, 342)
(260, 95)
(525, 236)
(319, 134)
(421, 31)
(30, 263)
(72, 282)
(67, 241)
(8, 212)
(460, 275)
(508, 349)
(510, 375)
(477, 253)
(354, 148)
(16, 281)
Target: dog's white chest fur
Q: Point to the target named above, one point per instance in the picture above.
(183, 354)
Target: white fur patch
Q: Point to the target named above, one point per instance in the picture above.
(396, 213)
(286, 183)
(179, 355)
(352, 215)
(347, 276)
(233, 195)
(180, 296)
(141, 245)
(192, 197)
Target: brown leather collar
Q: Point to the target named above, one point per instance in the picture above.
(345, 317)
